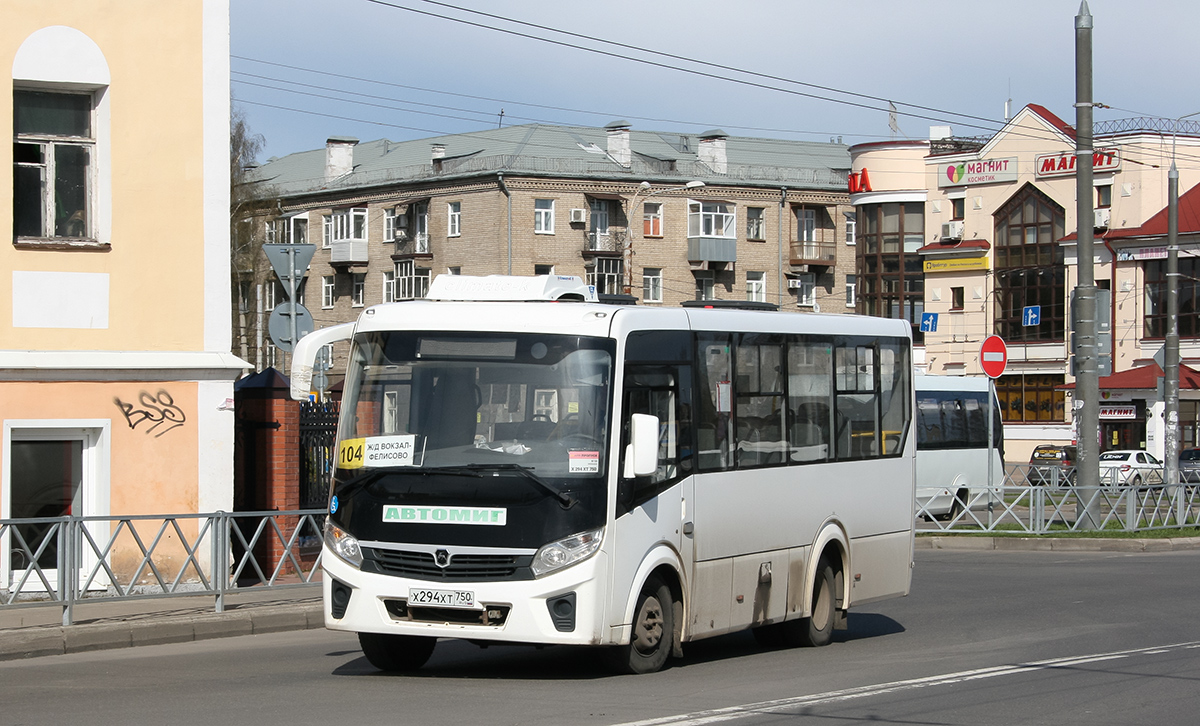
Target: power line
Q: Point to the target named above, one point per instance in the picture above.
(608, 114)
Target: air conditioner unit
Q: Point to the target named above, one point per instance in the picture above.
(401, 221)
(952, 230)
(1103, 217)
(578, 216)
(794, 283)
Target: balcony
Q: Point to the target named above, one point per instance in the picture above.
(348, 252)
(602, 243)
(712, 249)
(413, 246)
(813, 253)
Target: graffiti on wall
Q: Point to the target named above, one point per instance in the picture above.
(157, 410)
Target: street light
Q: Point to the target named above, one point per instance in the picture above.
(1171, 346)
(644, 192)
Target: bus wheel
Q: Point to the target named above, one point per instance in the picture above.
(960, 504)
(653, 631)
(816, 630)
(396, 653)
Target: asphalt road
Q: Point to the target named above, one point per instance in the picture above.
(985, 638)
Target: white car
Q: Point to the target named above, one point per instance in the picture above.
(1130, 466)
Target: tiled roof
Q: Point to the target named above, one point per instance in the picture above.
(1144, 378)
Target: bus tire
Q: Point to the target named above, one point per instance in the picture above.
(816, 630)
(396, 653)
(653, 631)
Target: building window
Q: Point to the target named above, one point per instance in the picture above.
(543, 216)
(326, 231)
(652, 219)
(298, 230)
(421, 232)
(1029, 267)
(54, 152)
(755, 225)
(1104, 196)
(389, 287)
(957, 298)
(271, 357)
(806, 225)
(705, 287)
(958, 208)
(851, 226)
(851, 291)
(711, 219)
(1031, 398)
(277, 293)
(358, 290)
(456, 270)
(389, 225)
(411, 281)
(1155, 321)
(349, 224)
(598, 233)
(454, 219)
(890, 271)
(607, 275)
(288, 230)
(806, 289)
(327, 291)
(652, 284)
(543, 269)
(756, 286)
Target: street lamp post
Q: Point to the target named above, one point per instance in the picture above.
(644, 192)
(1171, 346)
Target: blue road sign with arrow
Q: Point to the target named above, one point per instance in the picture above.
(1031, 316)
(929, 322)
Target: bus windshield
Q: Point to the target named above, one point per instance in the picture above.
(476, 402)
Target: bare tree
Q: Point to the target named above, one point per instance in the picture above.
(247, 198)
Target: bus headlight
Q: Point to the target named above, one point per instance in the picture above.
(343, 544)
(567, 551)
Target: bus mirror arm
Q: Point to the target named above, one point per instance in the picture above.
(304, 357)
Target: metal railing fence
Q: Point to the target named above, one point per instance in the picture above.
(1046, 500)
(68, 560)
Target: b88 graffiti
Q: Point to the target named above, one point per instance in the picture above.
(158, 410)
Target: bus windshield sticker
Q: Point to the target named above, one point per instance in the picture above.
(381, 451)
(490, 516)
(350, 454)
(583, 462)
(724, 397)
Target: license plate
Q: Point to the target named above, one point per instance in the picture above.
(464, 599)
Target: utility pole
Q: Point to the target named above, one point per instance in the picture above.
(1087, 379)
(1171, 348)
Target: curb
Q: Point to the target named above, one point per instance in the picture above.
(1052, 544)
(33, 642)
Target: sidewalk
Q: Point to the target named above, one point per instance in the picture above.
(29, 632)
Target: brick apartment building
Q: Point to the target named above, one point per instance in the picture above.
(665, 217)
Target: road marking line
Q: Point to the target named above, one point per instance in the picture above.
(732, 713)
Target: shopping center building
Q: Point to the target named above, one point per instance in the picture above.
(968, 237)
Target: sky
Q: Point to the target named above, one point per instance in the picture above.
(305, 70)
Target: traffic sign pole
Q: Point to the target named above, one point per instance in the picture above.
(292, 294)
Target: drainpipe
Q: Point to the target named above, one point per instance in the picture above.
(779, 282)
(504, 190)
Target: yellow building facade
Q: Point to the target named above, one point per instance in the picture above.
(116, 378)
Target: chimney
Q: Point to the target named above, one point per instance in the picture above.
(712, 150)
(618, 142)
(437, 151)
(339, 156)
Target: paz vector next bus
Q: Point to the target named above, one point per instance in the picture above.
(517, 462)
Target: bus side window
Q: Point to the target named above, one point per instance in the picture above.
(657, 390)
(714, 401)
(810, 373)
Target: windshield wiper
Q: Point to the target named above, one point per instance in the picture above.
(566, 500)
(345, 488)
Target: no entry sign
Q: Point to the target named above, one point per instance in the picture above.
(993, 356)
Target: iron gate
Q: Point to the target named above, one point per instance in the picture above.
(318, 431)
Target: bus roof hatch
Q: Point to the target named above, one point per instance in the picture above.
(504, 288)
